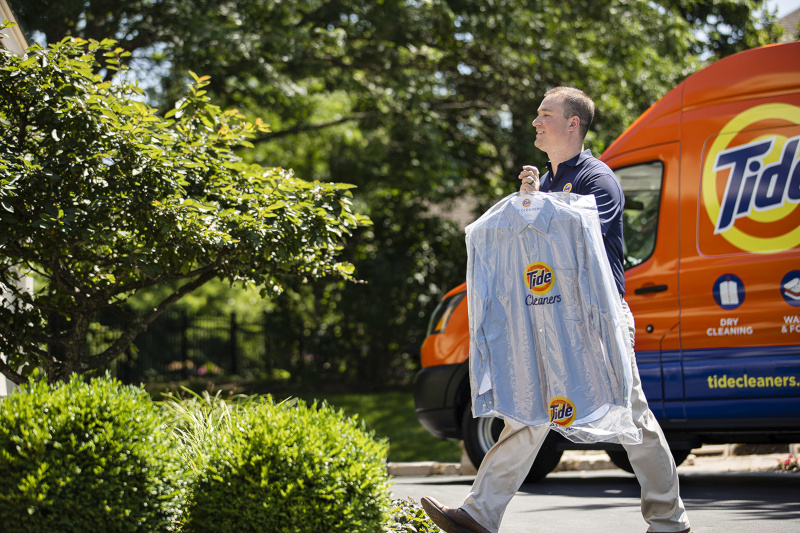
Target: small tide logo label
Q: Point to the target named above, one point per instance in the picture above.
(539, 278)
(568, 187)
(750, 186)
(526, 202)
(562, 411)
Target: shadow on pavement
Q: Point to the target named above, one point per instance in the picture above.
(749, 495)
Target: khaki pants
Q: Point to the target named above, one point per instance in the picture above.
(508, 462)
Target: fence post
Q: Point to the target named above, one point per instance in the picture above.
(184, 343)
(269, 364)
(234, 350)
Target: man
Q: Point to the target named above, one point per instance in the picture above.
(563, 119)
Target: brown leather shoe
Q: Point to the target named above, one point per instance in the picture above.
(451, 520)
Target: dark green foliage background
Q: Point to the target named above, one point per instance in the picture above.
(419, 104)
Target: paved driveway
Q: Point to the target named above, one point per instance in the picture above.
(607, 501)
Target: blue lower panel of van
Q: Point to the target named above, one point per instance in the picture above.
(753, 382)
(722, 384)
(649, 364)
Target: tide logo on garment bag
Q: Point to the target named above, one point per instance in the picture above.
(539, 278)
(562, 411)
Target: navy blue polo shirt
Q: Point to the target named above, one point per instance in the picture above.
(585, 174)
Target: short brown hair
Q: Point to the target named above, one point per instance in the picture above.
(576, 104)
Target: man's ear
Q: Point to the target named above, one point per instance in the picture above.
(574, 123)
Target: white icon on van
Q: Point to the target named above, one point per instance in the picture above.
(729, 291)
(790, 288)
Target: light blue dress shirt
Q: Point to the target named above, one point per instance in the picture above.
(547, 340)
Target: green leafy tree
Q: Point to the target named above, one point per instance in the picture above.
(100, 198)
(419, 104)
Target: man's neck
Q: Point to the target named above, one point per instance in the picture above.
(561, 156)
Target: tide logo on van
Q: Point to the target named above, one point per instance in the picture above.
(751, 180)
(562, 411)
(539, 278)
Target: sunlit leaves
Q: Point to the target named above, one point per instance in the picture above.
(102, 196)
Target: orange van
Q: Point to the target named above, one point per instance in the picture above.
(711, 175)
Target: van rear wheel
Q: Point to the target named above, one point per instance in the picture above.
(480, 434)
(620, 458)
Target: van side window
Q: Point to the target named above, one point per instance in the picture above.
(642, 187)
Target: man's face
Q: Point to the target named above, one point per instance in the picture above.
(551, 126)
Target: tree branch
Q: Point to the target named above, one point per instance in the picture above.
(310, 127)
(447, 106)
(138, 285)
(139, 325)
(443, 106)
(10, 374)
(43, 359)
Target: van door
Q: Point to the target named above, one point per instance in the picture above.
(740, 267)
(649, 178)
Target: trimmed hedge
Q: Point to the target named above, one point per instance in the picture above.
(94, 456)
(286, 467)
(102, 456)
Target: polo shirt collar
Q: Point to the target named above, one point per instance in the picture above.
(572, 162)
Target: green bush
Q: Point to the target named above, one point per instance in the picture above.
(287, 467)
(409, 517)
(94, 456)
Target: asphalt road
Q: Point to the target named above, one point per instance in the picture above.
(607, 501)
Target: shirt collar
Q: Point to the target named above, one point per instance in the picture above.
(573, 162)
(542, 221)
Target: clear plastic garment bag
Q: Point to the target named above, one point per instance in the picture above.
(547, 341)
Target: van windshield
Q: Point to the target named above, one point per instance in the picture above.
(642, 187)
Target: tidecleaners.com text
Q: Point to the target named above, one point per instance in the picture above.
(750, 382)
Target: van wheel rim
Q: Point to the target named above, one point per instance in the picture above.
(485, 438)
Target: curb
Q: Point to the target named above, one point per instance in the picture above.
(571, 461)
(578, 461)
(706, 459)
(424, 468)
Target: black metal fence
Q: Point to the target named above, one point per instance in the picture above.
(179, 346)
